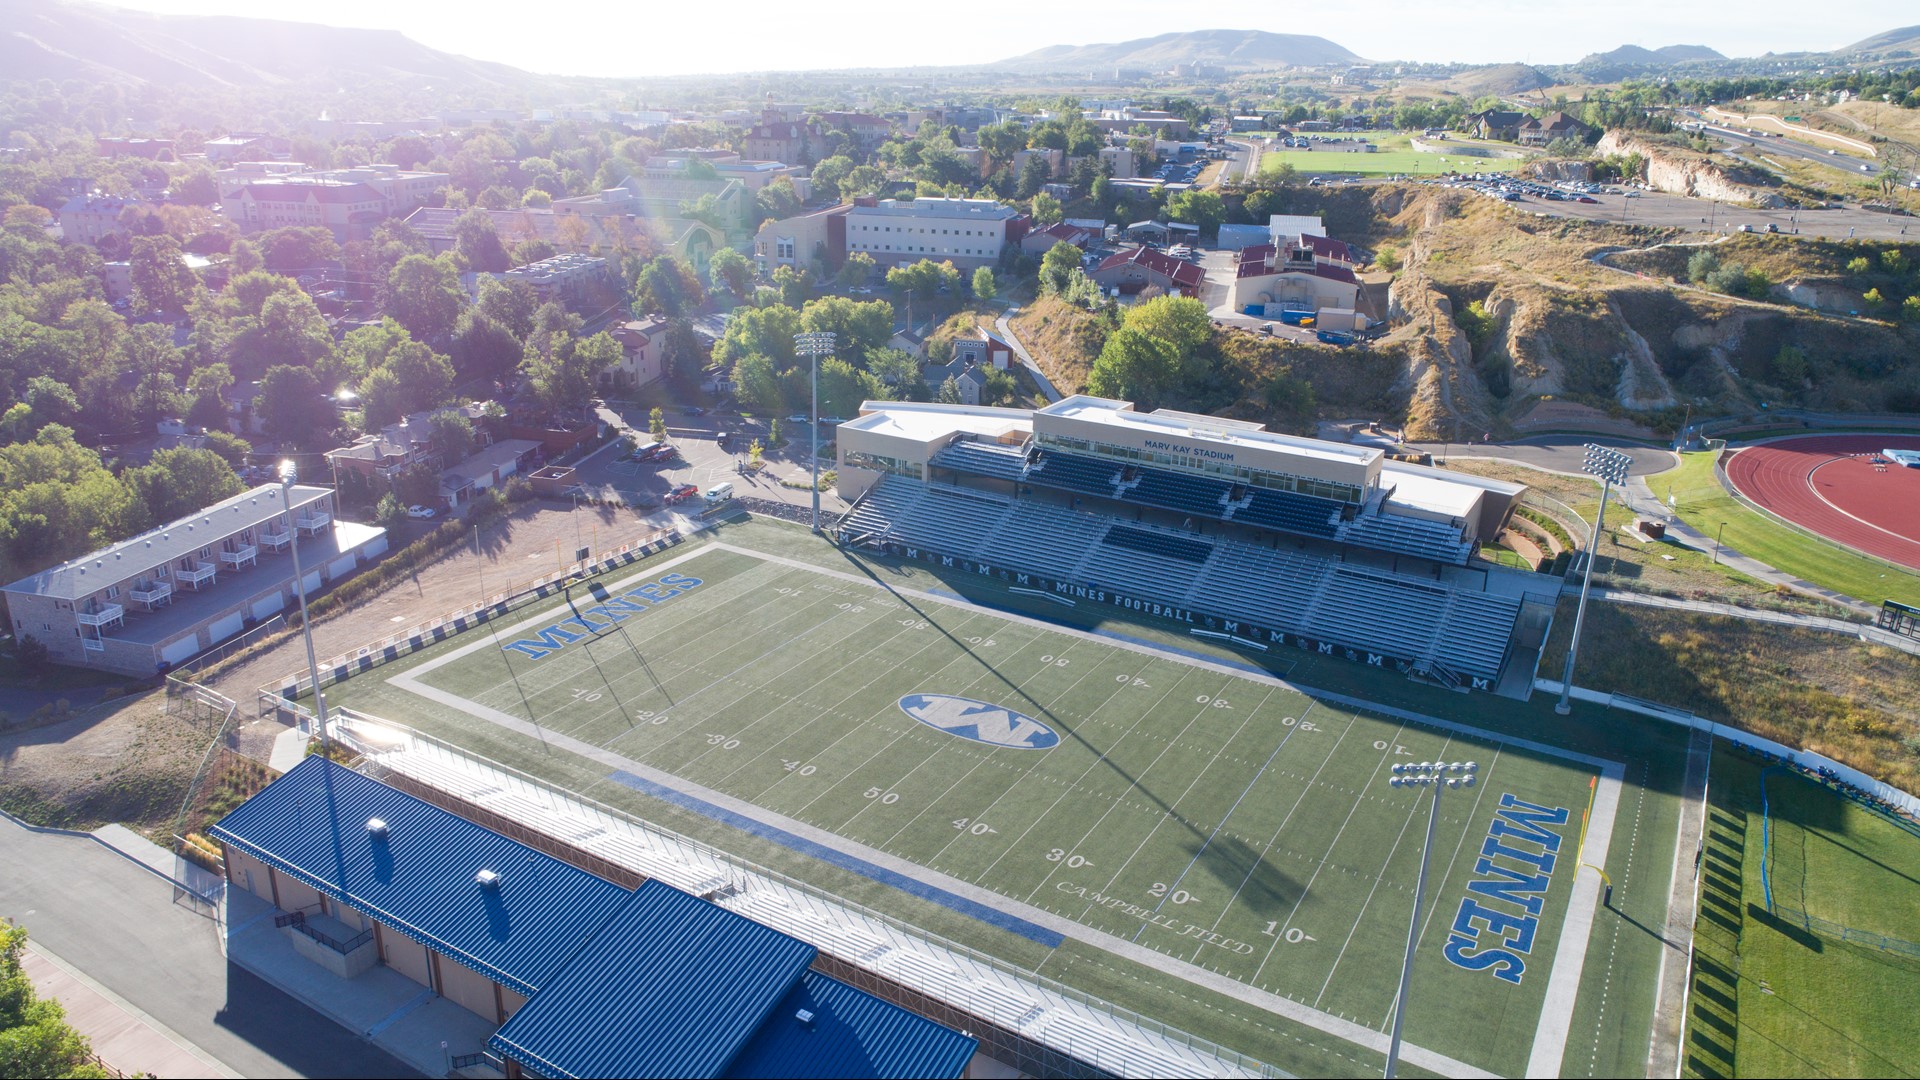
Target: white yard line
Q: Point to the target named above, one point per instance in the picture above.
(1570, 956)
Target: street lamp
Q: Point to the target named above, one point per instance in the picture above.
(1436, 775)
(1610, 466)
(289, 473)
(816, 345)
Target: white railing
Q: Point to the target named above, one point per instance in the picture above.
(93, 644)
(313, 521)
(239, 556)
(276, 540)
(156, 593)
(108, 613)
(199, 573)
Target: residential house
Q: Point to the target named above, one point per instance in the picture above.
(969, 378)
(381, 457)
(1541, 130)
(151, 149)
(984, 348)
(487, 467)
(1503, 124)
(867, 131)
(1040, 241)
(970, 233)
(644, 354)
(85, 219)
(148, 604)
(1139, 268)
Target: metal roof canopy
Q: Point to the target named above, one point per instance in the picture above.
(420, 879)
(673, 986)
(852, 1036)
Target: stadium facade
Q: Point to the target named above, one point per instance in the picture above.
(1247, 536)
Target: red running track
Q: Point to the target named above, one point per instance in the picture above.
(1825, 484)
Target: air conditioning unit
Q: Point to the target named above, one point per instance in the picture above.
(487, 879)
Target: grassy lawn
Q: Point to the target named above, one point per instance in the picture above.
(1385, 162)
(1769, 998)
(1705, 505)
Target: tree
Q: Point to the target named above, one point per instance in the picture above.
(291, 405)
(732, 271)
(381, 400)
(999, 389)
(483, 349)
(180, 481)
(424, 376)
(1790, 366)
(232, 448)
(477, 245)
(795, 286)
(828, 174)
(766, 332)
(984, 287)
(509, 304)
(862, 180)
(57, 501)
(756, 383)
(298, 250)
(667, 286)
(565, 379)
(778, 199)
(949, 392)
(424, 295)
(897, 374)
(162, 281)
(1195, 207)
(1046, 210)
(857, 325)
(452, 435)
(1058, 266)
(1133, 367)
(857, 270)
(1179, 321)
(657, 423)
(1034, 175)
(35, 1038)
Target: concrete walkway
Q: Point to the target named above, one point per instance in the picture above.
(123, 1035)
(1020, 350)
(153, 953)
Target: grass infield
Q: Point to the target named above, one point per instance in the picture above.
(1705, 505)
(1228, 823)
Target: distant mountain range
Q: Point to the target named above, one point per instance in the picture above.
(47, 39)
(1234, 50)
(1905, 40)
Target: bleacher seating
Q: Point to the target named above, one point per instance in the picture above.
(1420, 537)
(998, 460)
(1406, 616)
(1303, 514)
(1179, 491)
(1075, 473)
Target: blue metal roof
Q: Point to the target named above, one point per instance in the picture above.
(853, 1036)
(420, 880)
(673, 986)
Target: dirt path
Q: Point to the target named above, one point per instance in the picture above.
(537, 539)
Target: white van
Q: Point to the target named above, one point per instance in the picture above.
(719, 493)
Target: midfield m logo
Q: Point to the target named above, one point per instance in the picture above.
(979, 721)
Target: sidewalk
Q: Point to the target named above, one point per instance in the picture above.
(1033, 369)
(123, 1036)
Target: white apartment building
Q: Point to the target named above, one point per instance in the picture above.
(967, 232)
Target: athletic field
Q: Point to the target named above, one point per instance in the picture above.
(1100, 796)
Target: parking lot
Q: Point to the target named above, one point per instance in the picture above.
(701, 461)
(1661, 210)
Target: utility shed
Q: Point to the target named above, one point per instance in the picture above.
(852, 1035)
(674, 986)
(418, 875)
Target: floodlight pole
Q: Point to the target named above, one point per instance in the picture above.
(1610, 466)
(815, 345)
(1434, 774)
(288, 474)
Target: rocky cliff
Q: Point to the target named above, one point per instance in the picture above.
(1681, 172)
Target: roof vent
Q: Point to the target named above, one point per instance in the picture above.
(487, 879)
(376, 828)
(805, 1016)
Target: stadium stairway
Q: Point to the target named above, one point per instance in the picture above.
(1466, 633)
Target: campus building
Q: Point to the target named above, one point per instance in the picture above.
(148, 604)
(577, 974)
(966, 232)
(1306, 542)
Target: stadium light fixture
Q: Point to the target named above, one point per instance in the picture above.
(815, 345)
(289, 474)
(1610, 466)
(1435, 775)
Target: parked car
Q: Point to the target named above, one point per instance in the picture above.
(797, 418)
(693, 410)
(684, 491)
(422, 512)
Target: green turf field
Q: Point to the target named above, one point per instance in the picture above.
(1705, 505)
(1770, 998)
(1231, 824)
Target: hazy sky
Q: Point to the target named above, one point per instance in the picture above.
(663, 37)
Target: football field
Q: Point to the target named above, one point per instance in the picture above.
(1069, 787)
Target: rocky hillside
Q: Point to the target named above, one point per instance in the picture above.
(1235, 50)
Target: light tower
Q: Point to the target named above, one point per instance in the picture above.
(1610, 466)
(1436, 775)
(815, 345)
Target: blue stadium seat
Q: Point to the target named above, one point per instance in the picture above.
(996, 460)
(1304, 514)
(1075, 473)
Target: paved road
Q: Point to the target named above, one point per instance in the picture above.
(119, 925)
(1556, 453)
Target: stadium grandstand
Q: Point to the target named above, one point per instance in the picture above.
(1246, 534)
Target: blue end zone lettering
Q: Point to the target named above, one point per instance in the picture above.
(1496, 935)
(615, 609)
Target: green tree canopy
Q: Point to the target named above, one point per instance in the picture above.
(509, 304)
(292, 406)
(35, 1038)
(857, 326)
(477, 245)
(1058, 265)
(1134, 367)
(424, 295)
